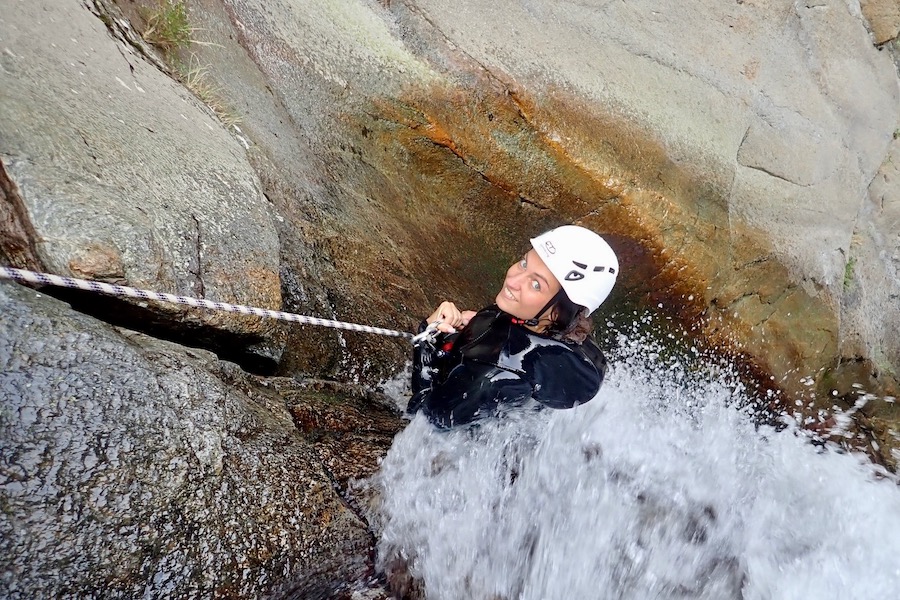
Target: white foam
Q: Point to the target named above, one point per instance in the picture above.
(659, 488)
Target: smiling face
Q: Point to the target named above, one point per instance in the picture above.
(528, 287)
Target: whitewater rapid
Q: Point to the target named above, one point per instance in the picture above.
(660, 487)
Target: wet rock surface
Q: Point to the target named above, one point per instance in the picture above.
(352, 428)
(731, 181)
(133, 467)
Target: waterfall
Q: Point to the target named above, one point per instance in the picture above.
(662, 486)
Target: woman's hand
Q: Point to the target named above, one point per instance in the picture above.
(451, 318)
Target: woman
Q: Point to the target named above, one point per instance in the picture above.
(533, 343)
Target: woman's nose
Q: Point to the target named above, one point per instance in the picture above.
(514, 280)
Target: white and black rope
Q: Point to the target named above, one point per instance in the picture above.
(122, 290)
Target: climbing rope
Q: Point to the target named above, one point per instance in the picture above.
(23, 275)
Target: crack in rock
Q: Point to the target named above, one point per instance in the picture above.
(201, 290)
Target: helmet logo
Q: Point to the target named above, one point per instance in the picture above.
(575, 275)
(550, 248)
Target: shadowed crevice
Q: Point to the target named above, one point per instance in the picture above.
(17, 233)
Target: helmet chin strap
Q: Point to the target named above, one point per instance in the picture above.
(537, 318)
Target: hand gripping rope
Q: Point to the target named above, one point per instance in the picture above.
(120, 290)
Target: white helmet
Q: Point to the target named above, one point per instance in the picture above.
(581, 261)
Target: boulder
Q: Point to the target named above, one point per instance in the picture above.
(134, 467)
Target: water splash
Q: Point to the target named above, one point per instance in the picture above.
(661, 487)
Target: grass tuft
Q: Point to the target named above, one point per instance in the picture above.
(169, 30)
(168, 27)
(195, 77)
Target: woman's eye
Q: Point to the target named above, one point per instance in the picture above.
(523, 263)
(536, 285)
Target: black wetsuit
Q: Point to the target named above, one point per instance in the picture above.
(494, 363)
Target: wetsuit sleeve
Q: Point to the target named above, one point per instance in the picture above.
(565, 376)
(473, 390)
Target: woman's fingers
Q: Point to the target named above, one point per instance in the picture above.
(451, 318)
(440, 312)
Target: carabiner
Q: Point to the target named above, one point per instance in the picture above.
(429, 335)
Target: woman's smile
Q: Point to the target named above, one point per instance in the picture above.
(528, 287)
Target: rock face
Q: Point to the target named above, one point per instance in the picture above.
(761, 159)
(125, 176)
(374, 210)
(872, 287)
(133, 467)
(734, 177)
(731, 178)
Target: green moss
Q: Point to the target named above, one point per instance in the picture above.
(849, 268)
(105, 19)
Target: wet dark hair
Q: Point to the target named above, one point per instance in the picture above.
(569, 321)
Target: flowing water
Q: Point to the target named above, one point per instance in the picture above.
(661, 487)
